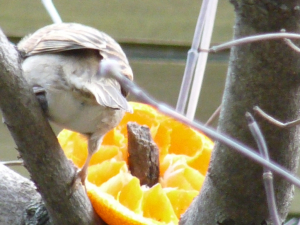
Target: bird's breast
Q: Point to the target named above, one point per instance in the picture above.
(69, 112)
(69, 104)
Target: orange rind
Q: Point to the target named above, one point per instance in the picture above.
(117, 196)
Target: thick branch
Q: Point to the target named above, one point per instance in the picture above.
(266, 74)
(51, 172)
(16, 192)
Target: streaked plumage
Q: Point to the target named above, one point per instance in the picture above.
(65, 60)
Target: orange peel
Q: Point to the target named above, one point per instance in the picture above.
(117, 196)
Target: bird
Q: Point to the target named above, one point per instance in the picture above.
(64, 64)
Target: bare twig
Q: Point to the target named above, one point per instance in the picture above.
(292, 221)
(292, 45)
(267, 174)
(49, 6)
(213, 116)
(202, 59)
(191, 60)
(255, 38)
(12, 163)
(223, 138)
(273, 121)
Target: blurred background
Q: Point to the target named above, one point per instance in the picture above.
(155, 35)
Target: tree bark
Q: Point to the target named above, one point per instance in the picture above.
(16, 192)
(50, 170)
(143, 154)
(266, 74)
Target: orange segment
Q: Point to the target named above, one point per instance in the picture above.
(115, 184)
(111, 211)
(114, 137)
(143, 115)
(185, 141)
(180, 175)
(102, 172)
(157, 206)
(194, 178)
(74, 146)
(180, 199)
(163, 140)
(200, 161)
(131, 195)
(169, 164)
(105, 152)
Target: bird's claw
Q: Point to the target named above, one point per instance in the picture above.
(79, 179)
(81, 174)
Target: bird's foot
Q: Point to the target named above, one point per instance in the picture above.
(82, 175)
(79, 178)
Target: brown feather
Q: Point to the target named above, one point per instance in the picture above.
(70, 36)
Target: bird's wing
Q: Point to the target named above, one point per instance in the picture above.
(62, 37)
(107, 92)
(71, 36)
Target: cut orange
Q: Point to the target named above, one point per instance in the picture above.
(180, 199)
(131, 195)
(157, 206)
(117, 196)
(102, 172)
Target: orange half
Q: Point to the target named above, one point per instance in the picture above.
(117, 196)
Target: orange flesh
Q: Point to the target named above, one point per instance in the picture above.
(117, 195)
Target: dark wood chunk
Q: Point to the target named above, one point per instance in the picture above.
(143, 157)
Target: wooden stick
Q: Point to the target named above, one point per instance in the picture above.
(143, 153)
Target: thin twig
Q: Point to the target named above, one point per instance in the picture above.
(255, 38)
(214, 116)
(113, 71)
(202, 59)
(49, 6)
(12, 163)
(191, 60)
(292, 45)
(273, 121)
(267, 174)
(292, 221)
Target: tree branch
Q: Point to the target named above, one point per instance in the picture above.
(51, 172)
(16, 193)
(266, 74)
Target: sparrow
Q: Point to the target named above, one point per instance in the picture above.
(65, 66)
